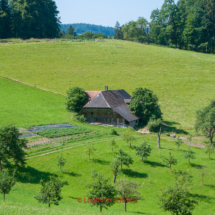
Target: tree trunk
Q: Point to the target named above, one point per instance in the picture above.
(125, 206)
(211, 139)
(114, 178)
(100, 208)
(49, 205)
(0, 166)
(159, 135)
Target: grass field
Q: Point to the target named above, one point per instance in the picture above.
(26, 106)
(78, 169)
(183, 80)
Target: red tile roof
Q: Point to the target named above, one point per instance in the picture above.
(92, 94)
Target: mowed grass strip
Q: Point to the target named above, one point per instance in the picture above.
(78, 170)
(26, 106)
(182, 80)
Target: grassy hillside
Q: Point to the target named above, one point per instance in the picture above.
(183, 80)
(26, 106)
(78, 169)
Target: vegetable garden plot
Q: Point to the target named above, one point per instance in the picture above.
(56, 132)
(57, 126)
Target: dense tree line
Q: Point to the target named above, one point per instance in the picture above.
(187, 24)
(25, 19)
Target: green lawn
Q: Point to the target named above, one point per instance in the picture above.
(183, 80)
(78, 169)
(26, 106)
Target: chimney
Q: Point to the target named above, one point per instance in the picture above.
(106, 88)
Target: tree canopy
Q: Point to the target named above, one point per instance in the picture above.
(11, 146)
(76, 99)
(101, 191)
(51, 191)
(205, 121)
(27, 19)
(186, 24)
(144, 104)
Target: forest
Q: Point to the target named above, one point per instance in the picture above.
(29, 19)
(187, 24)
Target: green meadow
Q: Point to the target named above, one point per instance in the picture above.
(78, 170)
(182, 80)
(26, 106)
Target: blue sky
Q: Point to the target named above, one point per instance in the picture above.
(105, 12)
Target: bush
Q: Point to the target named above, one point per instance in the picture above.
(113, 132)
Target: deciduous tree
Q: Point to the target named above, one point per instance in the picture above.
(76, 99)
(115, 168)
(189, 155)
(102, 192)
(176, 199)
(51, 191)
(155, 126)
(61, 162)
(145, 105)
(170, 161)
(144, 150)
(205, 121)
(90, 150)
(178, 141)
(123, 158)
(113, 144)
(6, 182)
(11, 146)
(127, 190)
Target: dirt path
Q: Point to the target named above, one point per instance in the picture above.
(192, 144)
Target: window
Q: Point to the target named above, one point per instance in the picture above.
(91, 113)
(120, 120)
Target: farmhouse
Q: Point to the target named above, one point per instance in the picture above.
(109, 107)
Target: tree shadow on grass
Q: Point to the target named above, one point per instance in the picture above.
(198, 166)
(138, 212)
(72, 173)
(71, 197)
(155, 164)
(134, 174)
(200, 197)
(171, 127)
(31, 175)
(103, 162)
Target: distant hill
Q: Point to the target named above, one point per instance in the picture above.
(81, 28)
